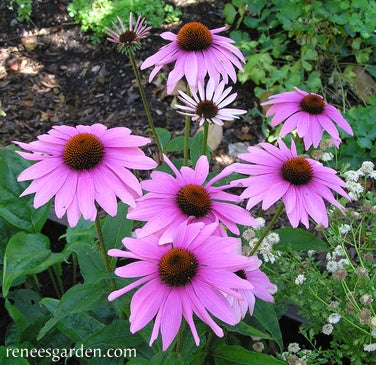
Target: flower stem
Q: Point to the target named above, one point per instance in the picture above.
(103, 251)
(205, 138)
(268, 228)
(186, 140)
(145, 103)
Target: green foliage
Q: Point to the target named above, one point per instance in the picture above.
(24, 9)
(361, 146)
(301, 43)
(95, 15)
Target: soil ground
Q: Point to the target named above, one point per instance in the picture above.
(51, 74)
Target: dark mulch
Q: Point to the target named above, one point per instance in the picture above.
(51, 74)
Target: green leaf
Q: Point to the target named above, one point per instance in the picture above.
(27, 254)
(18, 212)
(81, 298)
(176, 144)
(114, 335)
(90, 261)
(246, 330)
(297, 239)
(164, 137)
(229, 13)
(196, 148)
(227, 354)
(265, 313)
(116, 228)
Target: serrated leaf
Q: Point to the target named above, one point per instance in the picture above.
(297, 239)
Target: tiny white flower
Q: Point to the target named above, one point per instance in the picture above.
(367, 168)
(300, 279)
(351, 175)
(343, 263)
(370, 347)
(334, 318)
(327, 156)
(372, 175)
(373, 333)
(293, 347)
(261, 222)
(327, 329)
(248, 234)
(332, 266)
(344, 229)
(273, 238)
(338, 251)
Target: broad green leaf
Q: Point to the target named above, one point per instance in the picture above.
(115, 335)
(18, 212)
(265, 313)
(297, 239)
(227, 354)
(79, 326)
(176, 144)
(90, 261)
(229, 13)
(81, 298)
(116, 228)
(27, 254)
(247, 330)
(164, 137)
(196, 148)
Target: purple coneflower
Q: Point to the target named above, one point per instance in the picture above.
(185, 277)
(197, 51)
(309, 114)
(302, 183)
(208, 105)
(83, 164)
(261, 288)
(128, 38)
(172, 200)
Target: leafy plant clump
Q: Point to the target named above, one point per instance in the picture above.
(307, 43)
(95, 15)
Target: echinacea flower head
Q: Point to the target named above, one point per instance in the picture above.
(261, 288)
(309, 114)
(172, 200)
(302, 183)
(209, 104)
(196, 51)
(128, 39)
(82, 165)
(185, 277)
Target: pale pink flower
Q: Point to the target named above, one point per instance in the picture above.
(124, 37)
(261, 288)
(82, 165)
(196, 51)
(185, 277)
(171, 200)
(309, 114)
(302, 183)
(208, 105)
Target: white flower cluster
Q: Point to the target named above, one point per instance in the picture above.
(352, 177)
(266, 247)
(344, 229)
(370, 347)
(300, 279)
(333, 318)
(337, 259)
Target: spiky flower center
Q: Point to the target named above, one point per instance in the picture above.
(127, 37)
(194, 36)
(297, 171)
(194, 200)
(242, 274)
(83, 151)
(206, 109)
(313, 104)
(177, 267)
